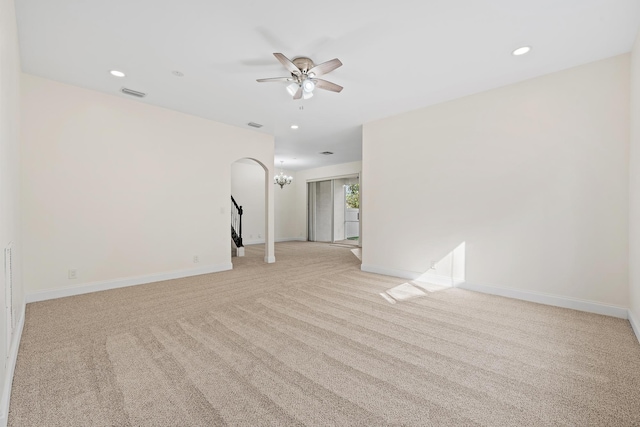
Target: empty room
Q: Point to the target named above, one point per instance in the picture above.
(325, 214)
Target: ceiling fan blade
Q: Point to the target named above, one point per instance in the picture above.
(287, 64)
(276, 79)
(298, 94)
(323, 84)
(325, 67)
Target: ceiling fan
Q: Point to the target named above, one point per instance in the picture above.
(304, 76)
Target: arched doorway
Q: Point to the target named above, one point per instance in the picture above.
(251, 207)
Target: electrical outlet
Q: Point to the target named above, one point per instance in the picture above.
(434, 264)
(251, 236)
(259, 236)
(196, 259)
(73, 273)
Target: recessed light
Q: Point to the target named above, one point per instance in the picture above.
(521, 50)
(254, 125)
(294, 126)
(117, 73)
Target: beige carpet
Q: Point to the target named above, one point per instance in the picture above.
(309, 341)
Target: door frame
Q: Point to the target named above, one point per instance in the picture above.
(312, 200)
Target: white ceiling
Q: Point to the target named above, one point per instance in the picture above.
(398, 55)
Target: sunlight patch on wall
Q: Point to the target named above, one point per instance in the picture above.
(446, 273)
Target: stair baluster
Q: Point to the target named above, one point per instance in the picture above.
(236, 223)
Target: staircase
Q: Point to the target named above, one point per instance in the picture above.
(236, 227)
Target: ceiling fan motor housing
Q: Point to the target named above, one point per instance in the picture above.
(303, 64)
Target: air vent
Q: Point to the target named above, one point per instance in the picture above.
(327, 153)
(133, 92)
(254, 125)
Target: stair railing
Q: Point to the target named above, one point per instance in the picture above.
(236, 223)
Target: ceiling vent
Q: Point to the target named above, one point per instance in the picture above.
(327, 153)
(254, 125)
(133, 92)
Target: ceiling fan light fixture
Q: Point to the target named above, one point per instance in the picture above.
(306, 95)
(292, 88)
(308, 86)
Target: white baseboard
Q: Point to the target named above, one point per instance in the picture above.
(548, 299)
(247, 242)
(437, 279)
(635, 325)
(404, 274)
(122, 283)
(10, 369)
(412, 275)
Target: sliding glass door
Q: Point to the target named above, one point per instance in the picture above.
(333, 211)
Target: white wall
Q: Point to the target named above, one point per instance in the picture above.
(634, 190)
(116, 188)
(9, 194)
(533, 177)
(316, 174)
(285, 208)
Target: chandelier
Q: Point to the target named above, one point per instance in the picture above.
(281, 179)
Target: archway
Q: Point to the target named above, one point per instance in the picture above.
(254, 222)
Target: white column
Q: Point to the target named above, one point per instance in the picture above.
(270, 234)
